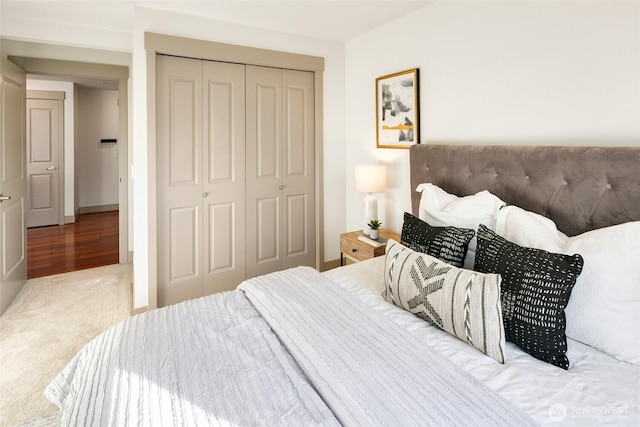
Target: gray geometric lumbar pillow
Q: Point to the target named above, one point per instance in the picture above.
(464, 303)
(536, 286)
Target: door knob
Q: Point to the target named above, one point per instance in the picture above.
(3, 198)
(205, 194)
(281, 187)
(52, 168)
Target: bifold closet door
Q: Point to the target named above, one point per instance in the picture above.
(200, 177)
(223, 159)
(280, 170)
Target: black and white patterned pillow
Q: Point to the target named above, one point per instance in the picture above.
(448, 244)
(536, 286)
(464, 303)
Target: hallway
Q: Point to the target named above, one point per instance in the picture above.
(90, 242)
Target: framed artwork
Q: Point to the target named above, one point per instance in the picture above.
(397, 110)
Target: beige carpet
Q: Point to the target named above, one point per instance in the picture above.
(43, 328)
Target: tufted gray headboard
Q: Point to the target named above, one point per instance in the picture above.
(580, 188)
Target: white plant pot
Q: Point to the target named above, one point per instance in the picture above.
(373, 234)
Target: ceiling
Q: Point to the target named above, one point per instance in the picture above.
(333, 20)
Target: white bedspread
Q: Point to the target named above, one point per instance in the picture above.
(597, 390)
(210, 361)
(217, 361)
(370, 371)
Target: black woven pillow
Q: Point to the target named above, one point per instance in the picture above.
(536, 286)
(448, 244)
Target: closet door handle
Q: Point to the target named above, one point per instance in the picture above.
(52, 168)
(205, 194)
(281, 187)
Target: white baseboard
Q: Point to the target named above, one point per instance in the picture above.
(96, 209)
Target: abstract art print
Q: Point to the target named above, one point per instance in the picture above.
(397, 110)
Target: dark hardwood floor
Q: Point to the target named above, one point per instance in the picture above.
(90, 242)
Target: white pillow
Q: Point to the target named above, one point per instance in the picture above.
(441, 209)
(604, 307)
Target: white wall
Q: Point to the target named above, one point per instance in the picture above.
(69, 164)
(27, 28)
(495, 72)
(98, 173)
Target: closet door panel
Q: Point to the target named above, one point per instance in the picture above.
(267, 131)
(184, 138)
(224, 168)
(264, 176)
(222, 257)
(295, 136)
(268, 235)
(299, 173)
(183, 243)
(297, 236)
(179, 183)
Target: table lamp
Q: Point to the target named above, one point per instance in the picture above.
(370, 179)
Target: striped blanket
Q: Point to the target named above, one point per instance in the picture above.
(289, 348)
(204, 362)
(369, 370)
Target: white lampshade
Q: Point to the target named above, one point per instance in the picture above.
(370, 179)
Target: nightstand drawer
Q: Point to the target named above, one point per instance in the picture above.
(359, 251)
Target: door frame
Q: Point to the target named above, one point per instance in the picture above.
(154, 44)
(54, 96)
(54, 67)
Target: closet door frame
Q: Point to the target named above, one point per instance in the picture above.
(207, 50)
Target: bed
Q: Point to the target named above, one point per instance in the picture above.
(302, 348)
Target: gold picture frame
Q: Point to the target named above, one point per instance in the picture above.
(397, 110)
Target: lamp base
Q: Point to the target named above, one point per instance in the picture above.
(370, 211)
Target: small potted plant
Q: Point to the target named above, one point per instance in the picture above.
(374, 225)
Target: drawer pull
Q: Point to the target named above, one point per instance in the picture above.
(353, 249)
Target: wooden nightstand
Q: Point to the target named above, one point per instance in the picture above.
(357, 250)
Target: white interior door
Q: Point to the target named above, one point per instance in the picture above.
(44, 161)
(179, 183)
(299, 224)
(280, 170)
(264, 170)
(201, 177)
(13, 251)
(223, 130)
